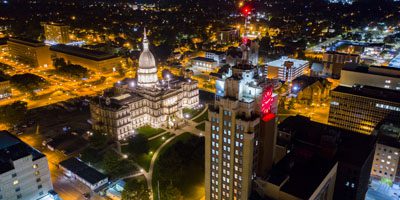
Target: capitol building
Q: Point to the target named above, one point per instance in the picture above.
(145, 100)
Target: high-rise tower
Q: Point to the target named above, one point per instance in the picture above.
(236, 130)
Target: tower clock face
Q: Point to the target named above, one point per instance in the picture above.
(266, 101)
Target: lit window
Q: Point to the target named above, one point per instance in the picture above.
(15, 182)
(387, 81)
(35, 166)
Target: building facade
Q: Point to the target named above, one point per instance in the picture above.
(56, 33)
(361, 108)
(133, 103)
(29, 52)
(386, 158)
(381, 77)
(217, 56)
(286, 69)
(227, 36)
(24, 171)
(239, 131)
(334, 62)
(204, 64)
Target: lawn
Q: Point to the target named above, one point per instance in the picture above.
(149, 131)
(158, 141)
(202, 117)
(201, 126)
(191, 112)
(181, 163)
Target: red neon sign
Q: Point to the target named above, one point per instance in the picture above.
(266, 104)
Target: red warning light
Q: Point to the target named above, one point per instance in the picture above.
(246, 10)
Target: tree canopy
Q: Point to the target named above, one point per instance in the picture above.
(136, 190)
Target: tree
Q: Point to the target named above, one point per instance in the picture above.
(171, 192)
(136, 190)
(291, 104)
(14, 113)
(139, 145)
(98, 140)
(110, 162)
(28, 82)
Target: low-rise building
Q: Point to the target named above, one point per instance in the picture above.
(30, 52)
(217, 56)
(91, 59)
(381, 77)
(24, 171)
(5, 88)
(311, 89)
(227, 36)
(204, 64)
(386, 158)
(286, 69)
(76, 169)
(334, 62)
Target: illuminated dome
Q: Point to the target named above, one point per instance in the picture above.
(147, 71)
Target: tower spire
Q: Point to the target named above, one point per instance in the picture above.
(145, 41)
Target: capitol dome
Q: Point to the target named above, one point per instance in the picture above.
(147, 70)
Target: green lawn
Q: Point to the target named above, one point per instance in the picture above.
(149, 131)
(186, 154)
(158, 141)
(202, 117)
(191, 112)
(201, 126)
(145, 159)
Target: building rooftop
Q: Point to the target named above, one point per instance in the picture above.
(26, 41)
(11, 149)
(389, 134)
(216, 52)
(304, 81)
(300, 173)
(370, 92)
(346, 145)
(203, 59)
(82, 170)
(375, 70)
(280, 62)
(81, 52)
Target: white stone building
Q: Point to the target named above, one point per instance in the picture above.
(145, 100)
(24, 172)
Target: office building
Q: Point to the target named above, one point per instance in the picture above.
(91, 59)
(146, 100)
(315, 156)
(334, 62)
(204, 64)
(227, 36)
(217, 56)
(56, 33)
(30, 52)
(381, 77)
(76, 169)
(361, 108)
(286, 69)
(240, 133)
(386, 158)
(24, 172)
